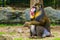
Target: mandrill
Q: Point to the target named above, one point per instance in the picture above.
(38, 19)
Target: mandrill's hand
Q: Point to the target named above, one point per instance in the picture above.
(26, 24)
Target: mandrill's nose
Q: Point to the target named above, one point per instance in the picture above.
(32, 13)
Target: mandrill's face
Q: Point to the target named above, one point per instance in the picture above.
(35, 12)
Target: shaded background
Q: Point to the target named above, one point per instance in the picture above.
(17, 11)
(26, 3)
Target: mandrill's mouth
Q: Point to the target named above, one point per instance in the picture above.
(32, 11)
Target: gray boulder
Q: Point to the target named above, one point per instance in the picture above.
(27, 14)
(8, 14)
(53, 14)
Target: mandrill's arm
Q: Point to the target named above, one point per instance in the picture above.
(34, 22)
(31, 23)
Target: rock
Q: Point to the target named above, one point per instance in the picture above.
(28, 31)
(53, 14)
(8, 14)
(19, 30)
(10, 30)
(2, 38)
(27, 15)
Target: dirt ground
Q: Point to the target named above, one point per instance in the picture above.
(23, 32)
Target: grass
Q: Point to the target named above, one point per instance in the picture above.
(22, 38)
(55, 33)
(4, 25)
(2, 33)
(18, 38)
(56, 39)
(53, 24)
(12, 33)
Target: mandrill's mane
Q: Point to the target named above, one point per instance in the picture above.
(39, 14)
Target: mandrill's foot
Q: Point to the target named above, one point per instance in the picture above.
(31, 36)
(50, 35)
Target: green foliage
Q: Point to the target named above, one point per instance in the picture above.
(19, 2)
(56, 39)
(52, 3)
(2, 2)
(47, 3)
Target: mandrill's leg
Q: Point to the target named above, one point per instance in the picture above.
(39, 30)
(32, 30)
(47, 26)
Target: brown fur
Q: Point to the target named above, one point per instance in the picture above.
(45, 22)
(39, 30)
